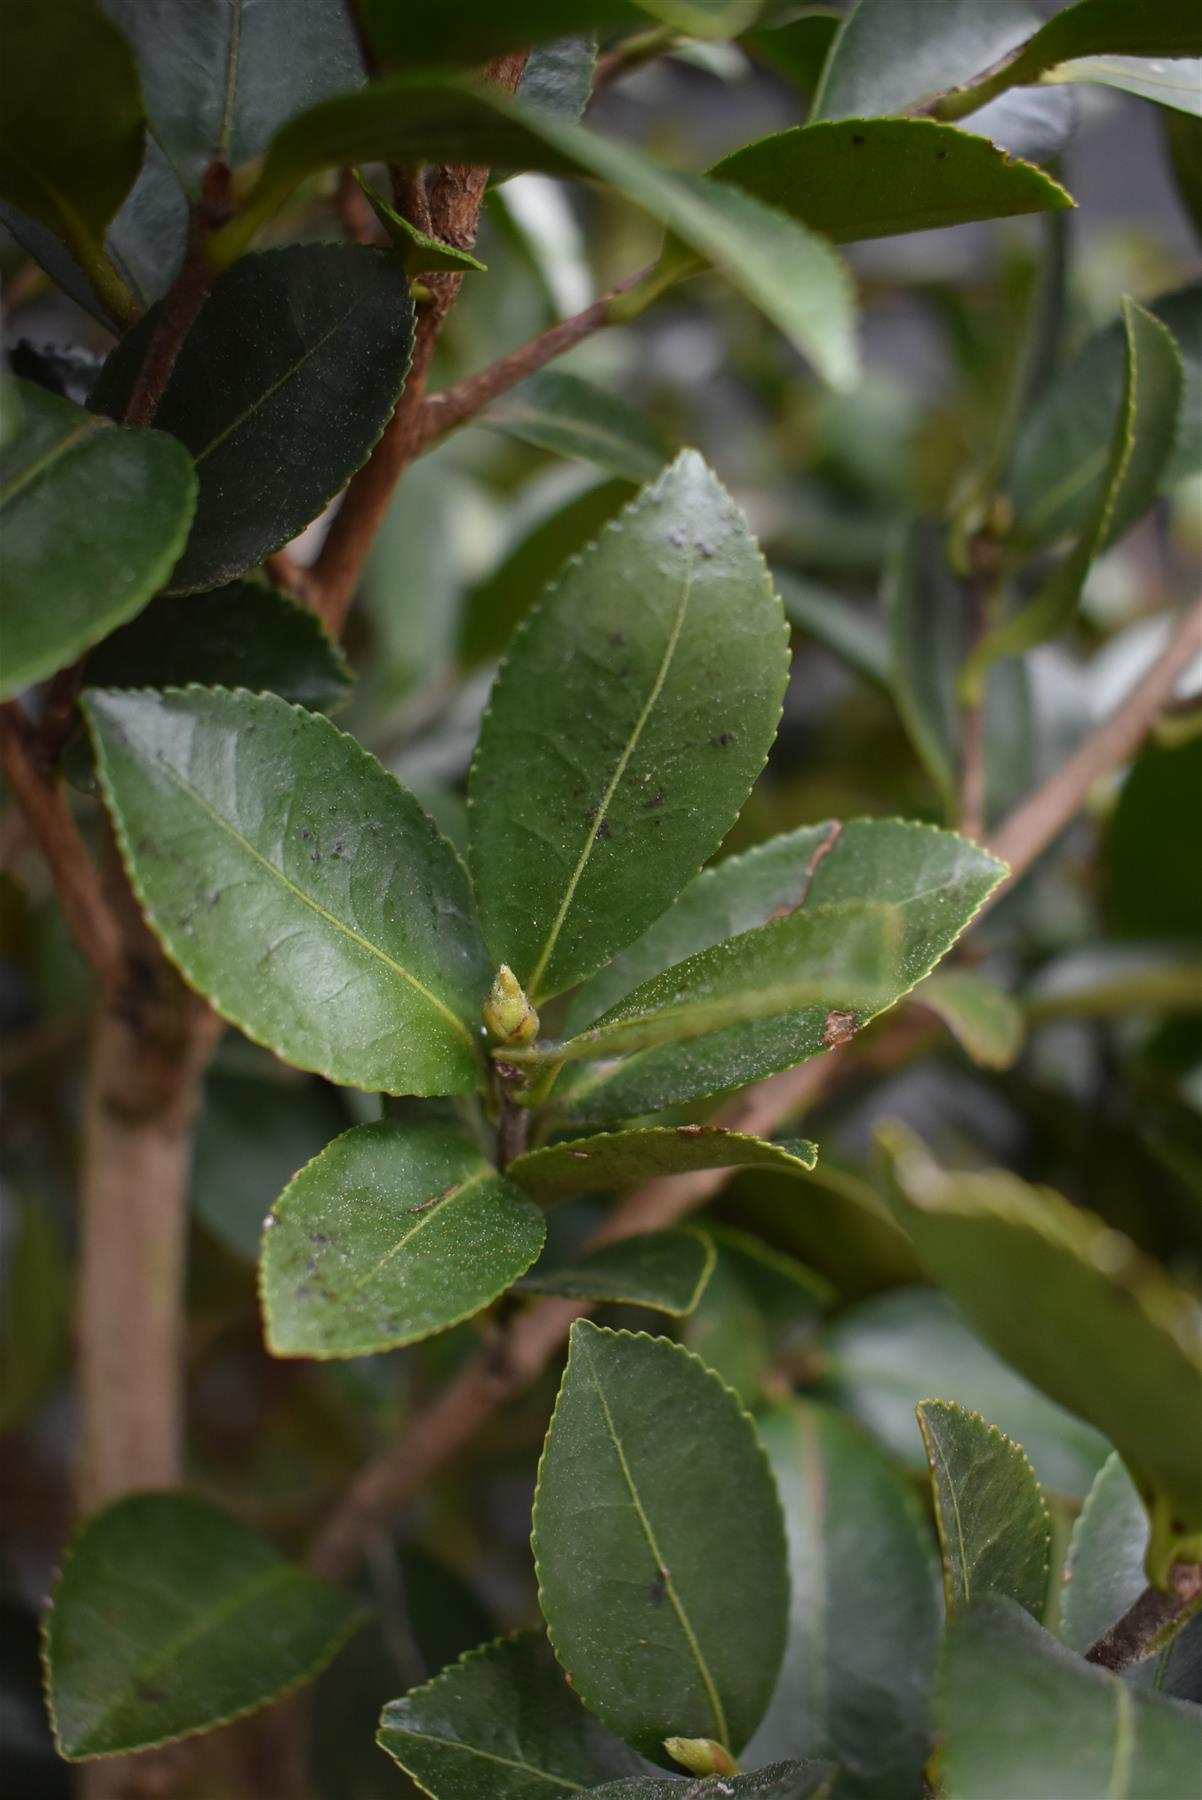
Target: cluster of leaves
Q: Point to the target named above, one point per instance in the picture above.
(548, 988)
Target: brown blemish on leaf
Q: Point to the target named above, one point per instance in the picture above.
(839, 1028)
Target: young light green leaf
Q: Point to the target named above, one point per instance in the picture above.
(863, 1616)
(572, 417)
(323, 367)
(93, 518)
(296, 885)
(757, 1302)
(213, 1624)
(934, 880)
(665, 1621)
(664, 1270)
(1020, 1714)
(994, 1529)
(633, 660)
(884, 1355)
(392, 1233)
(619, 1159)
(1175, 82)
(220, 80)
(501, 1721)
(418, 252)
(777, 1781)
(1141, 441)
(1078, 1310)
(69, 151)
(983, 1017)
(891, 54)
(246, 635)
(866, 178)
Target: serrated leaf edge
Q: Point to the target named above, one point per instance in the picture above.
(709, 1261)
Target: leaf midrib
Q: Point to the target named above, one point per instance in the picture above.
(60, 447)
(445, 1200)
(506, 1762)
(299, 894)
(721, 1728)
(273, 388)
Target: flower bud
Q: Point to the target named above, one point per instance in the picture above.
(701, 1756)
(506, 1012)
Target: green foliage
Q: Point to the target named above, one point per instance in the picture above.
(993, 1526)
(666, 1271)
(622, 1158)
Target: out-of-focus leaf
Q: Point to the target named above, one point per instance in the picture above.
(1183, 136)
(245, 635)
(885, 1355)
(323, 367)
(837, 626)
(475, 31)
(34, 1301)
(1078, 1310)
(573, 417)
(863, 1613)
(1114, 979)
(993, 1525)
(418, 252)
(392, 1233)
(664, 1270)
(777, 1781)
(1020, 1714)
(756, 1300)
(631, 658)
(1154, 890)
(984, 1018)
(666, 1622)
(619, 1159)
(1175, 82)
(213, 1623)
(93, 519)
(891, 54)
(296, 884)
(220, 80)
(559, 76)
(795, 47)
(836, 1224)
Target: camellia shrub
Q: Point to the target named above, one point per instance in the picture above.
(602, 980)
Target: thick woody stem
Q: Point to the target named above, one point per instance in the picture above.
(1148, 1624)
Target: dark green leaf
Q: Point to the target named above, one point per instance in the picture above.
(994, 1529)
(891, 54)
(418, 252)
(886, 1354)
(1077, 1309)
(572, 417)
(1020, 1714)
(778, 1781)
(1183, 139)
(863, 1618)
(501, 1721)
(475, 31)
(1176, 83)
(93, 518)
(934, 881)
(620, 1159)
(307, 345)
(757, 1302)
(664, 1270)
(220, 80)
(987, 1022)
(796, 46)
(836, 1223)
(297, 885)
(245, 636)
(393, 1232)
(169, 1618)
(70, 150)
(1154, 891)
(875, 177)
(35, 1289)
(666, 1621)
(631, 659)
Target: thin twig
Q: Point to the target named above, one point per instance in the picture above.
(1149, 1624)
(183, 302)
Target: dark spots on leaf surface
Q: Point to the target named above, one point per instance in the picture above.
(319, 1237)
(315, 856)
(603, 830)
(656, 799)
(723, 741)
(306, 834)
(337, 850)
(941, 156)
(301, 1291)
(1177, 1527)
(659, 1589)
(857, 139)
(151, 1695)
(617, 639)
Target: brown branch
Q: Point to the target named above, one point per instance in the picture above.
(1041, 818)
(52, 825)
(183, 302)
(1149, 1624)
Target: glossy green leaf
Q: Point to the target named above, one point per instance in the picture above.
(839, 627)
(393, 1232)
(1077, 1309)
(886, 1354)
(1104, 1576)
(667, 1623)
(572, 417)
(777, 1781)
(296, 885)
(1175, 82)
(169, 1617)
(620, 1159)
(1020, 1714)
(418, 252)
(933, 880)
(793, 277)
(242, 636)
(304, 345)
(475, 31)
(1134, 460)
(983, 1017)
(866, 178)
(664, 1270)
(757, 1304)
(633, 659)
(892, 54)
(994, 1530)
(129, 496)
(501, 1721)
(220, 80)
(69, 150)
(864, 1612)
(1091, 28)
